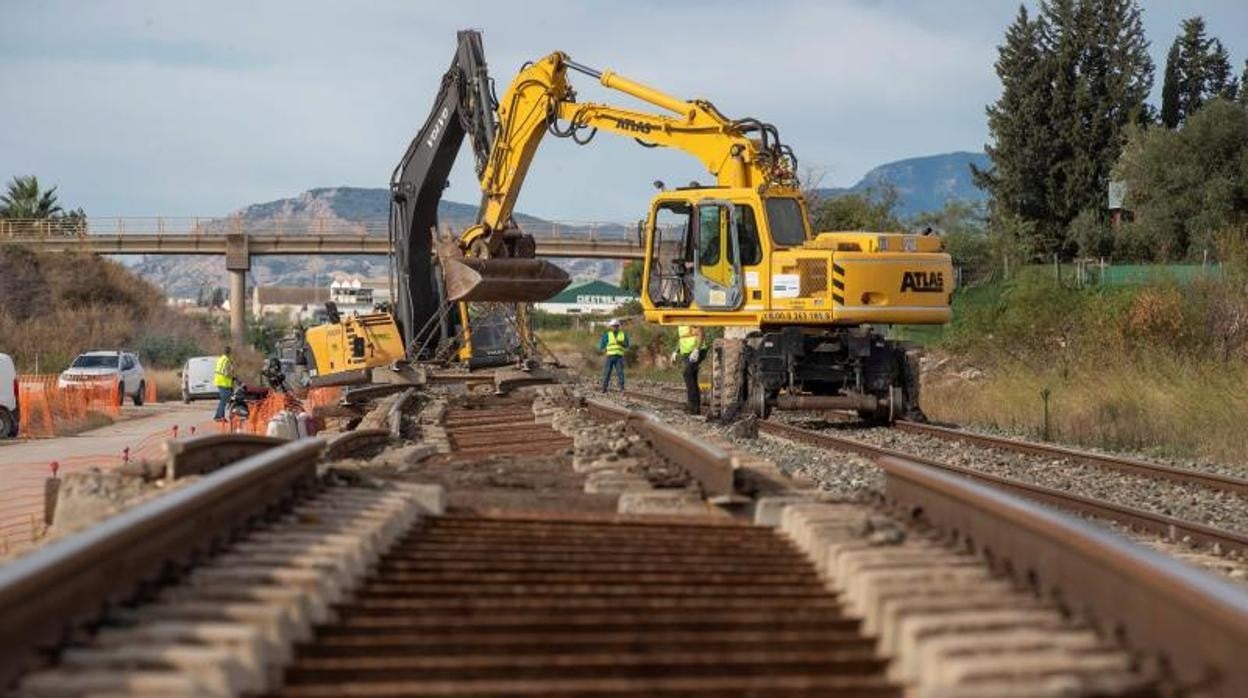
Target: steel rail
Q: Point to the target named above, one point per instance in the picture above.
(711, 466)
(1197, 623)
(355, 440)
(1160, 524)
(45, 593)
(200, 455)
(1129, 465)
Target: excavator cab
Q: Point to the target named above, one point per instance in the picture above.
(700, 246)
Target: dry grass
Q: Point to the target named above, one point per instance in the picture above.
(1165, 406)
(168, 383)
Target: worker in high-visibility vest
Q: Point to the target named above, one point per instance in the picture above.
(223, 378)
(691, 349)
(614, 342)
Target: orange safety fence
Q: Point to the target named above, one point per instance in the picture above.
(22, 485)
(263, 410)
(50, 406)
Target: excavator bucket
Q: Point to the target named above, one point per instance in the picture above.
(502, 279)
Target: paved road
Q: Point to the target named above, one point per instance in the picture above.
(148, 423)
(24, 463)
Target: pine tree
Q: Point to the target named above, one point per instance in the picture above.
(1219, 81)
(1074, 78)
(1019, 124)
(1170, 115)
(1243, 85)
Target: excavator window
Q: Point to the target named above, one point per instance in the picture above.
(785, 219)
(671, 256)
(747, 236)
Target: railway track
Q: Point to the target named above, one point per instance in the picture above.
(489, 567)
(1169, 527)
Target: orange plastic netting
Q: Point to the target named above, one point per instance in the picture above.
(48, 406)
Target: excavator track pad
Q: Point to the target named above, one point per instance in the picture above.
(502, 279)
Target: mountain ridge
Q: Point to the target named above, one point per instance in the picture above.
(922, 184)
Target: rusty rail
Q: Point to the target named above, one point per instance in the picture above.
(1127, 465)
(344, 444)
(1196, 623)
(43, 594)
(712, 467)
(1160, 524)
(200, 455)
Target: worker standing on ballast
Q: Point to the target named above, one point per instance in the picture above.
(691, 349)
(614, 342)
(223, 378)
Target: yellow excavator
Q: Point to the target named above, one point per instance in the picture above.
(801, 307)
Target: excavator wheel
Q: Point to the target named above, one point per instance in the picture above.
(911, 375)
(727, 376)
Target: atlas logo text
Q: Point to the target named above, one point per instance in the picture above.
(923, 282)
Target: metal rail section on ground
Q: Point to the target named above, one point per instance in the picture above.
(1196, 622)
(712, 467)
(45, 592)
(200, 455)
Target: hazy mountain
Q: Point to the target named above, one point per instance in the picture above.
(185, 276)
(923, 184)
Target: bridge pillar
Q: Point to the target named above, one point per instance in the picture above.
(238, 307)
(237, 262)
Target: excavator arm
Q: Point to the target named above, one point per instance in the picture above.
(740, 153)
(464, 107)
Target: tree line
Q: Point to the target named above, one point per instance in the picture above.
(1073, 116)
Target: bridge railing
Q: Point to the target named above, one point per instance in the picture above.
(61, 228)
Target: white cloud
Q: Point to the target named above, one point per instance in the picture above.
(152, 107)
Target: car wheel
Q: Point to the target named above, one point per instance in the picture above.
(8, 425)
(138, 394)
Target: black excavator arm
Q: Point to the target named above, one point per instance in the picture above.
(465, 106)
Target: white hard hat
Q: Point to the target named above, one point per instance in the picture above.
(615, 322)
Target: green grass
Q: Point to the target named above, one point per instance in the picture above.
(1157, 367)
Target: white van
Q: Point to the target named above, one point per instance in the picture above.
(197, 375)
(10, 415)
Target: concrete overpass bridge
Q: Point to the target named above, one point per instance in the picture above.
(237, 241)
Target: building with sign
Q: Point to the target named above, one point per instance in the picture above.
(588, 298)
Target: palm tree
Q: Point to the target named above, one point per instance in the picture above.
(23, 200)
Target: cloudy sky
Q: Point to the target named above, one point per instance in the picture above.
(156, 107)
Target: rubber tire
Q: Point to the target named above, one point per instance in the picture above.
(137, 398)
(727, 376)
(8, 425)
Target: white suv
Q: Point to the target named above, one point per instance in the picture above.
(10, 415)
(93, 367)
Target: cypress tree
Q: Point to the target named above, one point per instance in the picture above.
(1170, 114)
(1193, 51)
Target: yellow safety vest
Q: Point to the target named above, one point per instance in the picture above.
(615, 343)
(688, 340)
(221, 374)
